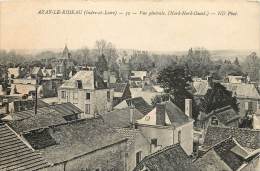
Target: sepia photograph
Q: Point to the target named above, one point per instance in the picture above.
(156, 85)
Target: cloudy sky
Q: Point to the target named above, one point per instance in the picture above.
(22, 28)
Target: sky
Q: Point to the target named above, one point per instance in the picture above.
(21, 27)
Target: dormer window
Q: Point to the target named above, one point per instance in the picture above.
(79, 84)
(214, 120)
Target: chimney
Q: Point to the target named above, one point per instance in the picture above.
(209, 81)
(132, 108)
(188, 107)
(160, 114)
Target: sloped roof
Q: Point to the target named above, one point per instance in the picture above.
(89, 80)
(131, 135)
(248, 138)
(23, 88)
(15, 155)
(225, 115)
(78, 138)
(229, 151)
(121, 117)
(241, 90)
(67, 109)
(140, 104)
(118, 87)
(48, 117)
(169, 158)
(174, 116)
(36, 70)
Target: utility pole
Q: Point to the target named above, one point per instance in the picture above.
(36, 96)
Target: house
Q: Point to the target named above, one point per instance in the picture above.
(14, 72)
(122, 118)
(16, 154)
(229, 155)
(146, 94)
(64, 65)
(138, 102)
(137, 146)
(247, 138)
(121, 92)
(247, 94)
(139, 74)
(36, 73)
(88, 92)
(167, 124)
(170, 158)
(225, 116)
(86, 144)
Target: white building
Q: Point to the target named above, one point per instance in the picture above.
(88, 92)
(166, 125)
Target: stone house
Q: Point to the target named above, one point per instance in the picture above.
(167, 124)
(88, 92)
(86, 144)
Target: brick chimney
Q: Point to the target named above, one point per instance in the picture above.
(160, 114)
(188, 107)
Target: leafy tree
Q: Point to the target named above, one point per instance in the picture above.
(216, 97)
(101, 64)
(176, 81)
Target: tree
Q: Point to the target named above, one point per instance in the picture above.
(176, 81)
(101, 64)
(217, 97)
(236, 62)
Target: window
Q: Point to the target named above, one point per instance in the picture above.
(179, 136)
(138, 157)
(214, 121)
(108, 96)
(63, 94)
(154, 142)
(87, 108)
(79, 84)
(88, 96)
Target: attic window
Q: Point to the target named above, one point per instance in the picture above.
(214, 121)
(154, 142)
(79, 84)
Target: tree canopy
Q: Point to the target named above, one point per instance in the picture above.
(216, 97)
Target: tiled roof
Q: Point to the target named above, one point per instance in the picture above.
(229, 151)
(15, 155)
(140, 104)
(35, 70)
(225, 115)
(40, 120)
(121, 117)
(63, 109)
(249, 138)
(131, 135)
(241, 90)
(78, 138)
(118, 87)
(170, 158)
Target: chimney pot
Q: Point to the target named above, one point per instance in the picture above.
(188, 107)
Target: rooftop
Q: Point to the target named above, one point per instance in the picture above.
(169, 158)
(121, 117)
(75, 139)
(248, 138)
(15, 155)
